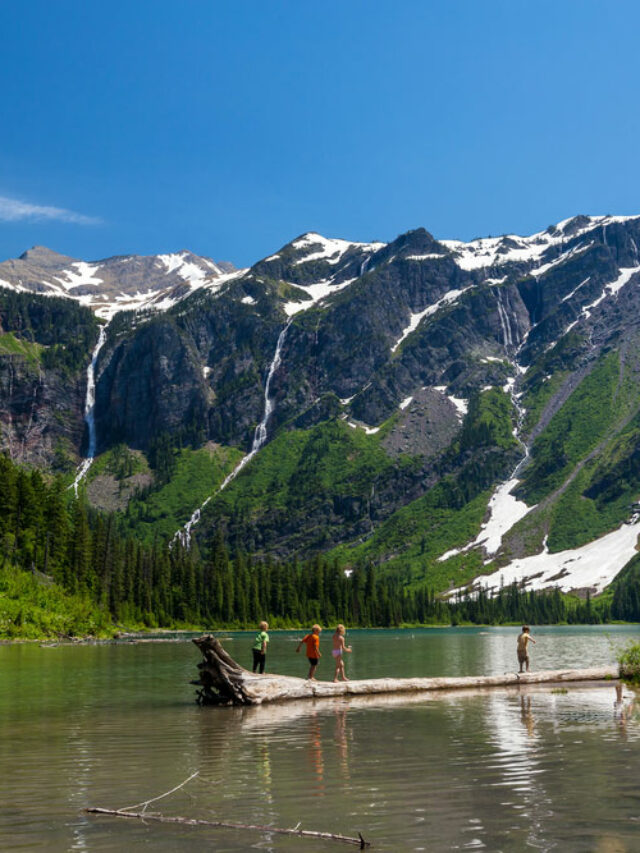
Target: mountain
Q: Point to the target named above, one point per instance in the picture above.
(446, 410)
(122, 283)
(46, 345)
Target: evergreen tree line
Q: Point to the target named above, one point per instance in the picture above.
(68, 331)
(43, 529)
(626, 593)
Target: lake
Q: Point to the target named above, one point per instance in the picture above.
(505, 770)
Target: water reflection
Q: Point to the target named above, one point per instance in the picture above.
(526, 715)
(522, 772)
(315, 759)
(623, 708)
(504, 770)
(341, 738)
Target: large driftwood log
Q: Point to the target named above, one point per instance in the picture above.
(223, 681)
(221, 678)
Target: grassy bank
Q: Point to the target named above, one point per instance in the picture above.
(33, 608)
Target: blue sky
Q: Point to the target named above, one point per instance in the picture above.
(231, 127)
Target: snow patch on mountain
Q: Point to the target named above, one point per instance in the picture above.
(429, 257)
(330, 250)
(415, 319)
(565, 256)
(182, 264)
(576, 289)
(593, 566)
(83, 274)
(512, 248)
(505, 511)
(461, 405)
(317, 292)
(611, 289)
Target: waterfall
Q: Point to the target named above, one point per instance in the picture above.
(259, 439)
(504, 322)
(89, 409)
(32, 411)
(260, 435)
(364, 265)
(504, 509)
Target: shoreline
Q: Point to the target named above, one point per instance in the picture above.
(176, 635)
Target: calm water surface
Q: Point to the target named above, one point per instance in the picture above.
(113, 725)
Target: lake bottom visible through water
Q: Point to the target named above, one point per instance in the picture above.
(502, 770)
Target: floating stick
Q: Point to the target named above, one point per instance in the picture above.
(188, 821)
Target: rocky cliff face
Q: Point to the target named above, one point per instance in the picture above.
(417, 313)
(45, 345)
(452, 360)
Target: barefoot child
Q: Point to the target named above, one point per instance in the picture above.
(338, 651)
(523, 647)
(312, 642)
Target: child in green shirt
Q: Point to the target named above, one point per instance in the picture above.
(260, 647)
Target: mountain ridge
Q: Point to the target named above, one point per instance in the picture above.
(413, 371)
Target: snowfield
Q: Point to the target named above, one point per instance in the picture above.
(505, 511)
(593, 566)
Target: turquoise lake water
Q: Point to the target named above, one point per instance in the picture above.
(505, 770)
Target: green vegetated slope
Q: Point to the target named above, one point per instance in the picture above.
(574, 431)
(546, 375)
(625, 592)
(411, 541)
(599, 498)
(33, 607)
(585, 471)
(450, 514)
(313, 486)
(307, 481)
(11, 345)
(157, 504)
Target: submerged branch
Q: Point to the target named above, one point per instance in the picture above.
(187, 821)
(145, 803)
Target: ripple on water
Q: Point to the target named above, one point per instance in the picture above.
(501, 770)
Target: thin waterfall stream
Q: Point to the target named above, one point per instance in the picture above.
(89, 410)
(259, 439)
(505, 510)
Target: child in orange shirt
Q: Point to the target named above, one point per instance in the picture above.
(312, 642)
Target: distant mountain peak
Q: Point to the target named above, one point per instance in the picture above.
(41, 256)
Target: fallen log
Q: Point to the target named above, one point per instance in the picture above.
(223, 681)
(190, 821)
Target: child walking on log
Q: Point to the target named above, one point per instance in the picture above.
(338, 651)
(523, 647)
(312, 642)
